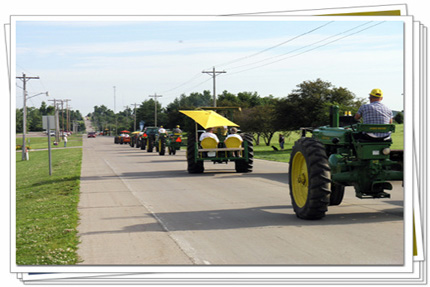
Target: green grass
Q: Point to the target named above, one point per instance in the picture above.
(268, 153)
(397, 137)
(42, 142)
(46, 208)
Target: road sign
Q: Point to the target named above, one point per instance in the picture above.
(45, 120)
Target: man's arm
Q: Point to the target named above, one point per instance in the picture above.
(357, 116)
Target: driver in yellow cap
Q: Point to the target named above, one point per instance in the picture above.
(375, 113)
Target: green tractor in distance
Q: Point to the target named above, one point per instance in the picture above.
(172, 142)
(161, 141)
(148, 139)
(336, 156)
(241, 153)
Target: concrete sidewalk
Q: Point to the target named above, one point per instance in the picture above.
(113, 226)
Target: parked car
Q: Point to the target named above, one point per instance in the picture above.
(91, 134)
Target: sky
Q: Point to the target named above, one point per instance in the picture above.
(84, 60)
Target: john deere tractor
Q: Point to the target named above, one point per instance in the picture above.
(148, 138)
(241, 152)
(197, 153)
(340, 155)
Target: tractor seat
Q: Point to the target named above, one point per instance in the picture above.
(233, 142)
(363, 137)
(209, 143)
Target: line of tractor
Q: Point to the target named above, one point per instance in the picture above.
(323, 161)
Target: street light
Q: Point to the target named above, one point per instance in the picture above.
(24, 122)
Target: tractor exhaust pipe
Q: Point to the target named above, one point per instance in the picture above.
(334, 116)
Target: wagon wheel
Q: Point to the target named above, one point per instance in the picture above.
(193, 166)
(162, 146)
(309, 178)
(150, 144)
(143, 144)
(337, 192)
(242, 165)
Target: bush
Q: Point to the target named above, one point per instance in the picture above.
(399, 118)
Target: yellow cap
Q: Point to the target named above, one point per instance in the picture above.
(376, 93)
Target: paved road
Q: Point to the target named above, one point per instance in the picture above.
(142, 208)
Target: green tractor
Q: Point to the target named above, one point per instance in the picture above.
(337, 156)
(241, 153)
(148, 139)
(161, 142)
(172, 142)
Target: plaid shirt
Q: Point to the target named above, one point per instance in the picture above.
(376, 113)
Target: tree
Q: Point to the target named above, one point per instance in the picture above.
(191, 102)
(260, 120)
(103, 118)
(34, 118)
(308, 106)
(19, 120)
(146, 112)
(399, 118)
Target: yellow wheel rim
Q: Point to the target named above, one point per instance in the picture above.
(300, 179)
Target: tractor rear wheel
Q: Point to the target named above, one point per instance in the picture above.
(162, 146)
(309, 179)
(193, 166)
(150, 143)
(337, 192)
(242, 165)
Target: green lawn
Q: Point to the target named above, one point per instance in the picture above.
(42, 142)
(268, 153)
(46, 208)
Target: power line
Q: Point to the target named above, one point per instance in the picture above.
(214, 74)
(277, 56)
(201, 83)
(24, 80)
(183, 84)
(301, 48)
(309, 49)
(275, 46)
(155, 96)
(249, 56)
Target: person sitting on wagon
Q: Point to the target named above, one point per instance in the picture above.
(209, 133)
(233, 134)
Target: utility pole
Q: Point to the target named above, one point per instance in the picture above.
(24, 79)
(214, 74)
(67, 114)
(135, 104)
(114, 109)
(155, 96)
(55, 116)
